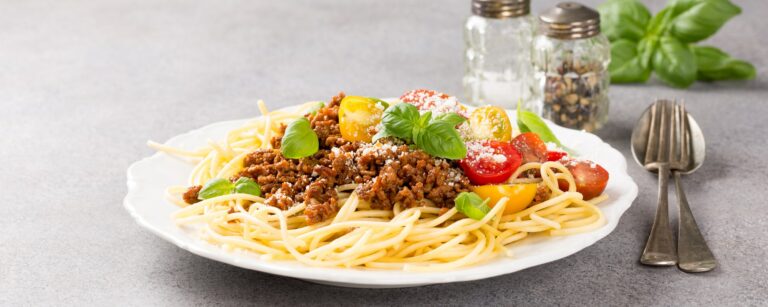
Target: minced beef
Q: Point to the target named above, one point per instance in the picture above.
(386, 173)
(542, 194)
(393, 174)
(190, 196)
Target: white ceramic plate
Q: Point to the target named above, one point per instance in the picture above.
(148, 178)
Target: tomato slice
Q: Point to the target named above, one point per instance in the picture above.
(554, 155)
(531, 147)
(590, 177)
(489, 161)
(519, 196)
(356, 115)
(490, 123)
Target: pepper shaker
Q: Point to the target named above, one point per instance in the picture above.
(570, 58)
(498, 39)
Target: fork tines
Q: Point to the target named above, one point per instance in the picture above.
(660, 132)
(681, 150)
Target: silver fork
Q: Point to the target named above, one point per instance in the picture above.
(693, 252)
(660, 248)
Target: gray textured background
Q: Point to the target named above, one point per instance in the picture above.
(84, 84)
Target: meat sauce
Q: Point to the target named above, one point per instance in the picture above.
(385, 173)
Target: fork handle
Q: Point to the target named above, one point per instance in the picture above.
(660, 247)
(693, 251)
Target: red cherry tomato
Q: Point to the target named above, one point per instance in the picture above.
(429, 100)
(417, 97)
(490, 162)
(590, 178)
(531, 147)
(556, 155)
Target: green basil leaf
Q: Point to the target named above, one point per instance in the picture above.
(313, 109)
(623, 19)
(645, 50)
(734, 70)
(660, 22)
(471, 205)
(674, 63)
(625, 64)
(441, 139)
(299, 140)
(714, 64)
(420, 125)
(382, 133)
(710, 58)
(381, 103)
(215, 187)
(424, 119)
(247, 185)
(399, 120)
(696, 20)
(452, 118)
(520, 124)
(530, 122)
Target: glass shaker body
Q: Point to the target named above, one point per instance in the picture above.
(497, 60)
(571, 80)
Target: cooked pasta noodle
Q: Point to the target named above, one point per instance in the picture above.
(411, 239)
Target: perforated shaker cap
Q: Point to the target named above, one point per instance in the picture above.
(570, 20)
(501, 8)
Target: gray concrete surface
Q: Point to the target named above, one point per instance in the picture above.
(83, 85)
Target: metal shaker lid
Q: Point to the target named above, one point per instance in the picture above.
(570, 20)
(501, 8)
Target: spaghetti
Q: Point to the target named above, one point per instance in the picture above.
(412, 239)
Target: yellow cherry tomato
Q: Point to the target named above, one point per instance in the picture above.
(357, 114)
(490, 123)
(520, 195)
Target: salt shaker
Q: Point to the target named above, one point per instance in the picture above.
(570, 59)
(498, 48)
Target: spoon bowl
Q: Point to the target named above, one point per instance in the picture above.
(640, 142)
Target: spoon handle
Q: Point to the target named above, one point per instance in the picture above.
(693, 251)
(660, 247)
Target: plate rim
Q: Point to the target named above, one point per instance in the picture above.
(356, 277)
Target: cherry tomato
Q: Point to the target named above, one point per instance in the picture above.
(531, 147)
(590, 178)
(356, 115)
(489, 161)
(519, 196)
(429, 100)
(490, 123)
(555, 155)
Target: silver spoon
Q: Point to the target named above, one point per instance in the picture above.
(694, 254)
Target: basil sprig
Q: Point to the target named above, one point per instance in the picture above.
(472, 205)
(435, 135)
(299, 140)
(220, 186)
(664, 44)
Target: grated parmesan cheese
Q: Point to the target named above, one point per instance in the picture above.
(481, 152)
(439, 105)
